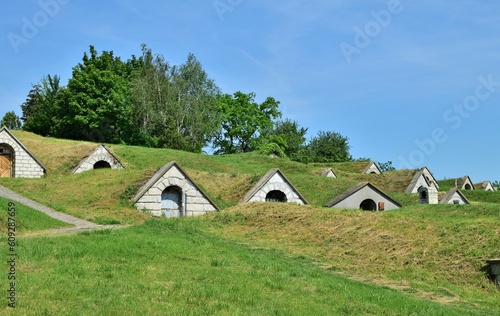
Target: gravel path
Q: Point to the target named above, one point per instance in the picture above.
(81, 225)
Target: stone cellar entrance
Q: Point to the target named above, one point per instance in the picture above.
(101, 164)
(171, 202)
(6, 161)
(276, 196)
(368, 205)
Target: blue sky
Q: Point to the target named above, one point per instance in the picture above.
(413, 82)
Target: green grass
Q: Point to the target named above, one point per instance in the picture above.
(249, 259)
(103, 196)
(447, 184)
(171, 267)
(482, 196)
(437, 251)
(26, 218)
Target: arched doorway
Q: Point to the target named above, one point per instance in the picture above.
(101, 164)
(171, 201)
(468, 187)
(368, 205)
(6, 161)
(275, 196)
(423, 194)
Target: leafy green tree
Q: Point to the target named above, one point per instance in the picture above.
(293, 135)
(32, 102)
(386, 166)
(40, 109)
(194, 108)
(329, 147)
(272, 145)
(96, 105)
(243, 121)
(150, 87)
(175, 106)
(11, 121)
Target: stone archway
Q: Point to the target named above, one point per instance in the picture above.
(276, 196)
(7, 156)
(368, 205)
(171, 201)
(102, 164)
(423, 194)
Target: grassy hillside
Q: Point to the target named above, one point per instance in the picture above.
(103, 196)
(26, 219)
(172, 267)
(436, 252)
(418, 254)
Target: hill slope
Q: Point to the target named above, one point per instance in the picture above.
(432, 251)
(103, 195)
(435, 251)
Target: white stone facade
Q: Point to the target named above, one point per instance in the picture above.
(101, 153)
(421, 182)
(354, 200)
(328, 173)
(273, 187)
(277, 183)
(24, 164)
(456, 198)
(428, 195)
(467, 184)
(487, 186)
(430, 178)
(194, 200)
(372, 168)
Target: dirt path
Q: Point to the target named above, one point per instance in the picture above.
(80, 225)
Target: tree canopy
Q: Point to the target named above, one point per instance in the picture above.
(243, 121)
(96, 104)
(174, 106)
(329, 147)
(147, 101)
(11, 121)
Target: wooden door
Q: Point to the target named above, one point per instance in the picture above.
(5, 166)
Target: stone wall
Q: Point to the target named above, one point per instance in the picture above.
(372, 168)
(421, 182)
(354, 201)
(456, 199)
(99, 154)
(24, 165)
(278, 183)
(196, 202)
(431, 195)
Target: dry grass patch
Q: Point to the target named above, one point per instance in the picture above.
(59, 156)
(226, 189)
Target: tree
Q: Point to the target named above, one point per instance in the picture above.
(329, 147)
(194, 108)
(293, 135)
(11, 121)
(40, 109)
(150, 87)
(496, 185)
(386, 166)
(32, 102)
(175, 106)
(243, 121)
(272, 145)
(96, 104)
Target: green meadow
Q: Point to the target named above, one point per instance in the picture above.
(252, 259)
(172, 267)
